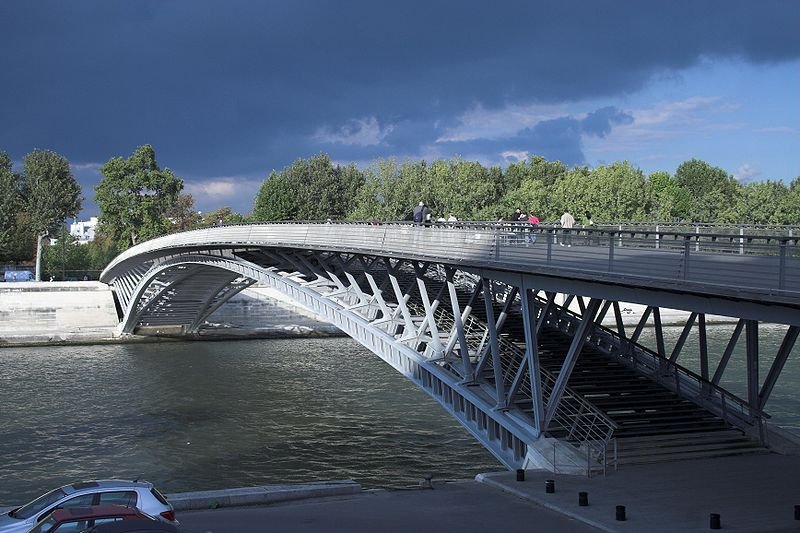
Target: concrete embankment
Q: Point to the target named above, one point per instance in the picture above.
(84, 312)
(56, 312)
(260, 495)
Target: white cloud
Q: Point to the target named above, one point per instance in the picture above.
(514, 155)
(220, 189)
(746, 172)
(481, 123)
(365, 131)
(681, 110)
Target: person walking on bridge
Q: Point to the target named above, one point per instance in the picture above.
(418, 213)
(567, 222)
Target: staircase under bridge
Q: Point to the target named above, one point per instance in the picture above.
(470, 316)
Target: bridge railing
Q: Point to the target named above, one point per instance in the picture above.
(739, 261)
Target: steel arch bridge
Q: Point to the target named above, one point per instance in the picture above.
(461, 311)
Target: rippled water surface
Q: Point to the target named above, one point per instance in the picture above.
(205, 415)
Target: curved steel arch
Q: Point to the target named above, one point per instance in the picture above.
(504, 433)
(400, 291)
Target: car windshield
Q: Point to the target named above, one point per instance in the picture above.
(42, 502)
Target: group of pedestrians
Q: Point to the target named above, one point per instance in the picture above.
(567, 222)
(422, 214)
(527, 233)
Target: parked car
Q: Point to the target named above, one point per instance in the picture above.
(140, 494)
(131, 526)
(78, 519)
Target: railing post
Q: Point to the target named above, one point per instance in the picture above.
(658, 237)
(782, 265)
(741, 241)
(611, 251)
(697, 239)
(550, 237)
(686, 257)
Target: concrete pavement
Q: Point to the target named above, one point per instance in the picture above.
(755, 493)
(751, 494)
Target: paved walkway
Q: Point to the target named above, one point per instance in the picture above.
(753, 494)
(750, 493)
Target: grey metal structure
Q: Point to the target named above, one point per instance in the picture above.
(460, 311)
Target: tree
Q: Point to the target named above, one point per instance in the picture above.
(10, 204)
(182, 214)
(308, 189)
(219, 217)
(50, 194)
(275, 199)
(763, 202)
(669, 201)
(66, 255)
(134, 197)
(711, 189)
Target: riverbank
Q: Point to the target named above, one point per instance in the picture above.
(84, 312)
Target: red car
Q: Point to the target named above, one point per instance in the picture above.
(77, 519)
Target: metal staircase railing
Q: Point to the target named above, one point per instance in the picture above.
(577, 420)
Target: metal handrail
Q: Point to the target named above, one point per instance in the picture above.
(662, 368)
(683, 258)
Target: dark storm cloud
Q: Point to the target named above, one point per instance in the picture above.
(556, 139)
(239, 87)
(598, 123)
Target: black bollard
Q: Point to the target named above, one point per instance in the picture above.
(620, 513)
(713, 521)
(583, 499)
(550, 486)
(797, 512)
(520, 474)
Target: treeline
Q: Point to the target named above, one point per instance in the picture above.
(315, 188)
(139, 200)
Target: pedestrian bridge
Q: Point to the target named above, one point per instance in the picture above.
(471, 314)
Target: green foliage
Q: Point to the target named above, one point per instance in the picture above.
(765, 202)
(66, 254)
(49, 191)
(134, 197)
(669, 201)
(711, 190)
(10, 206)
(532, 196)
(68, 257)
(461, 188)
(275, 199)
(308, 189)
(220, 217)
(182, 214)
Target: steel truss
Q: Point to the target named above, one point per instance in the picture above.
(445, 329)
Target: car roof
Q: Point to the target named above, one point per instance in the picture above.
(103, 484)
(93, 511)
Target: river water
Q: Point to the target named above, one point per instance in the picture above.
(208, 415)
